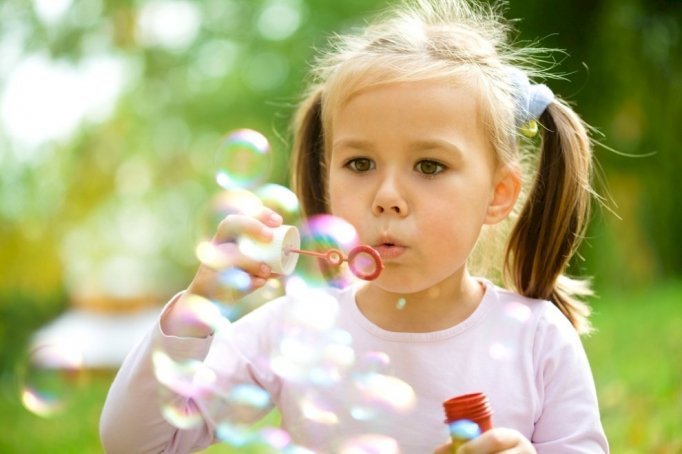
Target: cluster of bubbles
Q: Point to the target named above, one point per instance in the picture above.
(311, 352)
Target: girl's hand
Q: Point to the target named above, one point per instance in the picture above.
(497, 440)
(177, 320)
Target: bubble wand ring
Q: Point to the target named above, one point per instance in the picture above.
(335, 257)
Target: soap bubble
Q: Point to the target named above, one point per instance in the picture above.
(386, 390)
(222, 204)
(375, 361)
(49, 378)
(181, 416)
(236, 435)
(189, 379)
(197, 310)
(318, 411)
(282, 200)
(464, 429)
(321, 233)
(243, 160)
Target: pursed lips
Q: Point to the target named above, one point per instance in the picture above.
(389, 248)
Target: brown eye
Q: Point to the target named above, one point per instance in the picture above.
(360, 165)
(429, 167)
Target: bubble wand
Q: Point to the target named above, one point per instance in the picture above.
(282, 253)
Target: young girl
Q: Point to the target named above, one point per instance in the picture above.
(411, 132)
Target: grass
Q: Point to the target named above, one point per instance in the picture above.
(635, 356)
(637, 364)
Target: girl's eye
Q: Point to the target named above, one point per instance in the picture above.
(360, 164)
(429, 168)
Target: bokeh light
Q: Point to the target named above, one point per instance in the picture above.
(49, 378)
(243, 160)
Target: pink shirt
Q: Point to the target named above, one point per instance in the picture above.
(337, 377)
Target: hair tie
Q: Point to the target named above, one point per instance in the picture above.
(530, 101)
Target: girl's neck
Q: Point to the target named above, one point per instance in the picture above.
(436, 308)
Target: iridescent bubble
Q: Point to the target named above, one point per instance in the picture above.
(235, 279)
(282, 200)
(374, 361)
(464, 429)
(222, 204)
(210, 254)
(199, 310)
(235, 435)
(243, 159)
(338, 355)
(364, 413)
(321, 233)
(182, 417)
(318, 411)
(249, 395)
(371, 444)
(188, 378)
(386, 390)
(49, 377)
(275, 438)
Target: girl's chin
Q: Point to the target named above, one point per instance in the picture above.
(398, 285)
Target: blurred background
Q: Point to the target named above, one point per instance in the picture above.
(111, 112)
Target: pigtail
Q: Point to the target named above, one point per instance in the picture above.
(309, 175)
(553, 220)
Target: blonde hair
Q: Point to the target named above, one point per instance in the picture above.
(452, 41)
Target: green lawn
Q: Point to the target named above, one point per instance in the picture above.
(636, 358)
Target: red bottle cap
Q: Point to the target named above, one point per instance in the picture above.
(472, 407)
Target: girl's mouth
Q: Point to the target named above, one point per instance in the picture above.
(389, 250)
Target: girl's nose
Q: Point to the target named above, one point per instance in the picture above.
(389, 199)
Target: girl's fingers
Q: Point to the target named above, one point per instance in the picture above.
(498, 440)
(259, 228)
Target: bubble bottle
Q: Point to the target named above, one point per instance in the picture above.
(467, 416)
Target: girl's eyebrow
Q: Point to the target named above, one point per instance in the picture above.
(437, 144)
(352, 143)
(417, 145)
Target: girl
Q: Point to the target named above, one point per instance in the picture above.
(411, 133)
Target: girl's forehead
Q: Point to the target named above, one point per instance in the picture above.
(422, 103)
(409, 116)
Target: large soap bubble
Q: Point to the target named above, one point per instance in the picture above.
(49, 378)
(243, 160)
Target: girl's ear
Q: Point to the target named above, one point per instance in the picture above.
(504, 195)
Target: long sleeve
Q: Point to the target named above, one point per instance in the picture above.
(570, 421)
(132, 419)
